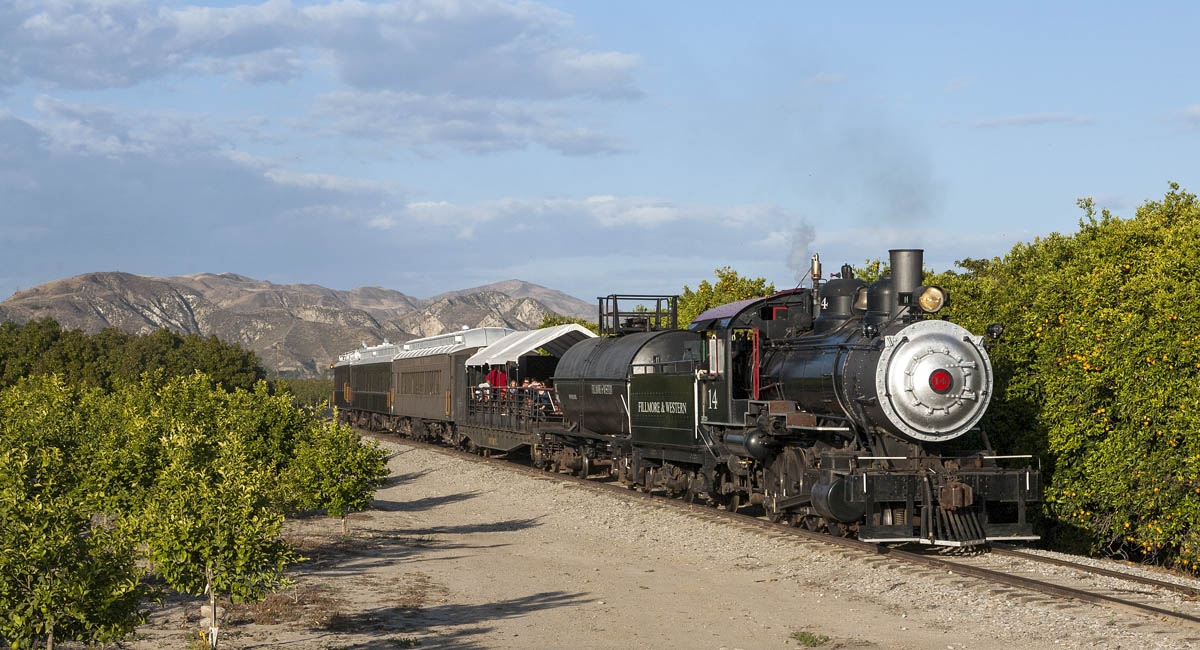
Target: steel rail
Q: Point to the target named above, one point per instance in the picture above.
(867, 548)
(1192, 592)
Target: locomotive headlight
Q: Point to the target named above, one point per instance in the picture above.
(931, 299)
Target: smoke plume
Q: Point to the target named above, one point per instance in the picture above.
(800, 253)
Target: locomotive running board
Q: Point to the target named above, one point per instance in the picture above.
(889, 540)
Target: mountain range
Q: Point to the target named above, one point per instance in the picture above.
(296, 329)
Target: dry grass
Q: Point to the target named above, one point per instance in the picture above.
(308, 606)
(415, 590)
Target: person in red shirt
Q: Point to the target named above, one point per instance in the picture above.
(496, 377)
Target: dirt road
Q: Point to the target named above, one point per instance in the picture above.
(460, 555)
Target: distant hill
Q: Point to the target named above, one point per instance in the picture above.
(296, 329)
(557, 301)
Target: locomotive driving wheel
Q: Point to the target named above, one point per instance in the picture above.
(785, 480)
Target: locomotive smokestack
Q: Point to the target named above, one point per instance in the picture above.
(907, 266)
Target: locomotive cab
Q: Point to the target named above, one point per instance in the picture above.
(734, 337)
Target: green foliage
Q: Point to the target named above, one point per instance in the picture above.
(553, 320)
(729, 287)
(872, 270)
(175, 468)
(1099, 371)
(62, 575)
(810, 639)
(337, 471)
(312, 393)
(112, 357)
(208, 523)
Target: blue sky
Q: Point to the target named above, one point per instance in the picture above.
(589, 147)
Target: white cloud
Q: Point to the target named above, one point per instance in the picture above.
(469, 75)
(601, 212)
(472, 124)
(102, 130)
(277, 65)
(773, 239)
(485, 48)
(1035, 119)
(325, 181)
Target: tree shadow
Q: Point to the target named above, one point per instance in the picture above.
(397, 479)
(507, 525)
(421, 504)
(335, 555)
(395, 622)
(354, 555)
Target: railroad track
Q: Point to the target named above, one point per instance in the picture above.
(1009, 568)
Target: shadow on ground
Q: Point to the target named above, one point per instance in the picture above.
(466, 529)
(393, 481)
(338, 556)
(399, 625)
(346, 555)
(417, 505)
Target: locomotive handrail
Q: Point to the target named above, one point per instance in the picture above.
(794, 344)
(688, 364)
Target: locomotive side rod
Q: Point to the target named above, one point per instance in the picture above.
(866, 548)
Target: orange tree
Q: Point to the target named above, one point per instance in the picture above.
(729, 287)
(1099, 372)
(65, 574)
(193, 478)
(553, 320)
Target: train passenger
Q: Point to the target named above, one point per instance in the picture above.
(497, 377)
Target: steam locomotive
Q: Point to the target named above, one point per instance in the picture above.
(832, 408)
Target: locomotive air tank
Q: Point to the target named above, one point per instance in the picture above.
(885, 367)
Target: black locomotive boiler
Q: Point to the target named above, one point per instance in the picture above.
(842, 407)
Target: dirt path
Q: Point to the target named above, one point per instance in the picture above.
(459, 555)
